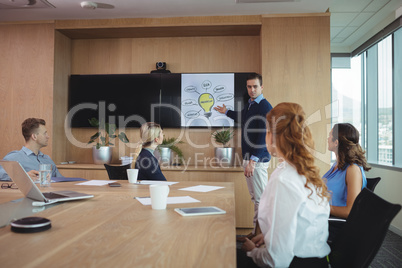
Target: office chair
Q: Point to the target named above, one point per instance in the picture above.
(117, 172)
(337, 223)
(372, 183)
(364, 231)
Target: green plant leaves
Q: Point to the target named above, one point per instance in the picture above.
(94, 137)
(110, 129)
(109, 133)
(223, 136)
(123, 137)
(171, 143)
(93, 122)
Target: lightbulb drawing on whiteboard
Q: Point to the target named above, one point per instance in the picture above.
(206, 101)
(200, 93)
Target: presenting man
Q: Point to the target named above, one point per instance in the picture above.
(254, 151)
(30, 156)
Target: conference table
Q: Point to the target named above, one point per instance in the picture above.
(113, 229)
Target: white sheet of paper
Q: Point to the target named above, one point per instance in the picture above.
(157, 182)
(202, 188)
(170, 200)
(96, 182)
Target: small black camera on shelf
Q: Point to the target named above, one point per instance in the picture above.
(160, 68)
(161, 65)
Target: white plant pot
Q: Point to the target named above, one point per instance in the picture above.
(103, 155)
(225, 156)
(164, 155)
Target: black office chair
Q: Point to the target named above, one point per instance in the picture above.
(364, 231)
(117, 172)
(372, 183)
(335, 223)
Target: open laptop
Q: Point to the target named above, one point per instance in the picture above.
(20, 177)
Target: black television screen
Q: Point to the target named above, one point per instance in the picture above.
(129, 100)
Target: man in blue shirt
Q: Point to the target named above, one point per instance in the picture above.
(30, 156)
(254, 150)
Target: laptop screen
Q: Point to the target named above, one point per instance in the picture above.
(20, 177)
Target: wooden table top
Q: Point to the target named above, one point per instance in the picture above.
(115, 230)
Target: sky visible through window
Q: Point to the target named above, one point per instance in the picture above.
(347, 98)
(346, 94)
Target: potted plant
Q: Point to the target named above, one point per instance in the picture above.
(101, 151)
(225, 155)
(166, 148)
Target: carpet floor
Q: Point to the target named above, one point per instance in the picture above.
(389, 255)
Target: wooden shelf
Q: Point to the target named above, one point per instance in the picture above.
(167, 31)
(161, 27)
(167, 168)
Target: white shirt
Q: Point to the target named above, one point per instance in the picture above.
(293, 223)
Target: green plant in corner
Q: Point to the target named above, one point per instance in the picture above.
(106, 133)
(171, 144)
(223, 136)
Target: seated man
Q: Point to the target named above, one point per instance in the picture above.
(30, 156)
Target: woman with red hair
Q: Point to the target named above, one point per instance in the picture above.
(294, 208)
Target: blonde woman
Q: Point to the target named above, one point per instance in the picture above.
(147, 164)
(294, 209)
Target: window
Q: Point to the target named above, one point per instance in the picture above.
(346, 94)
(385, 119)
(368, 94)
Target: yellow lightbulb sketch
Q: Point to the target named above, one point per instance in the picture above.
(206, 101)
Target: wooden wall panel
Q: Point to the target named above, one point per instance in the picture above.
(198, 146)
(107, 24)
(26, 80)
(296, 68)
(62, 68)
(183, 55)
(292, 53)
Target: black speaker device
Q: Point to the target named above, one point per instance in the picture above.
(30, 225)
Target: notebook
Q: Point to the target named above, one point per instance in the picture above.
(20, 177)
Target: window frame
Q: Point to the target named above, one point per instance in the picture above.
(370, 94)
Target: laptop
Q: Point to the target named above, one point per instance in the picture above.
(20, 177)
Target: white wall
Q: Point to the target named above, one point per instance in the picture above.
(390, 189)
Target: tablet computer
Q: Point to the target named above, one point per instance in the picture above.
(198, 211)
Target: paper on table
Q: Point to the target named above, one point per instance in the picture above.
(96, 182)
(157, 182)
(170, 200)
(202, 188)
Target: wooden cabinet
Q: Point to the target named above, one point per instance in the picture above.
(86, 171)
(244, 207)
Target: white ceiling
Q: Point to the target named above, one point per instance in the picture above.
(352, 21)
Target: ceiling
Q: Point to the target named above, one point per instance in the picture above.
(352, 21)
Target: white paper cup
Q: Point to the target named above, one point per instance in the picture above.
(132, 175)
(159, 194)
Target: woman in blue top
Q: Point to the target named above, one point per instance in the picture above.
(346, 178)
(146, 163)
